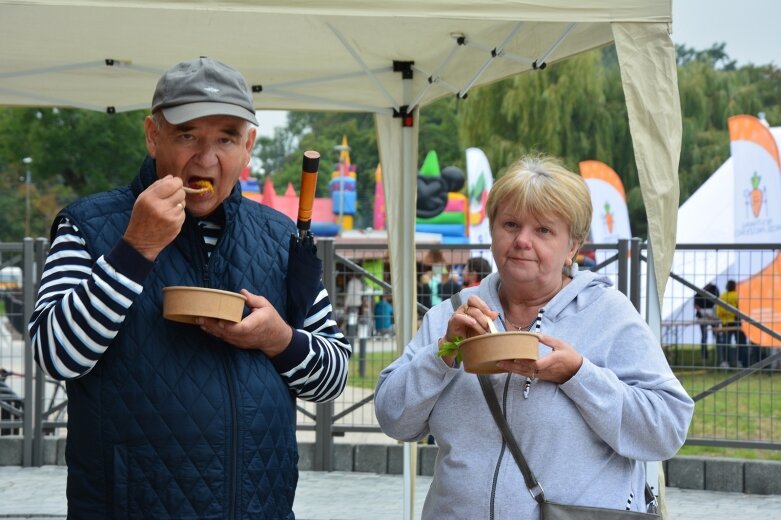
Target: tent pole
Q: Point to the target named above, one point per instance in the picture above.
(409, 276)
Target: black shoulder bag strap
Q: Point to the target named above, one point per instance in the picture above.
(493, 404)
(455, 301)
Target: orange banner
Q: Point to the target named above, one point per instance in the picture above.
(757, 199)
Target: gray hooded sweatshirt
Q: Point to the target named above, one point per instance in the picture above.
(585, 439)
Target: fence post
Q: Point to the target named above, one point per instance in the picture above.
(324, 412)
(623, 266)
(29, 446)
(40, 249)
(635, 272)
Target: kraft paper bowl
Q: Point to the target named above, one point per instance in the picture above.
(479, 354)
(186, 304)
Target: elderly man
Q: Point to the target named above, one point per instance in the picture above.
(166, 419)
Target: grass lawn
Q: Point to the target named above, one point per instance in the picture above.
(372, 366)
(747, 410)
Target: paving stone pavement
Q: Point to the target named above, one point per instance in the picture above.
(39, 493)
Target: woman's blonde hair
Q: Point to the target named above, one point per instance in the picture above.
(540, 187)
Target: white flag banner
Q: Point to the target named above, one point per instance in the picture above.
(479, 182)
(610, 218)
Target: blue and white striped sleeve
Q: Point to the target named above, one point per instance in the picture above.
(314, 365)
(82, 302)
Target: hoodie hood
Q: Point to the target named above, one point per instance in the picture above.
(583, 290)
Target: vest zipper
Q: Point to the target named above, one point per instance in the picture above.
(233, 452)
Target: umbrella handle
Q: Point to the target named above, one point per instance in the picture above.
(308, 186)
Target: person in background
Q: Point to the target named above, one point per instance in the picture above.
(586, 259)
(726, 354)
(475, 270)
(366, 317)
(449, 286)
(424, 291)
(599, 401)
(705, 313)
(439, 274)
(383, 316)
(167, 419)
(354, 292)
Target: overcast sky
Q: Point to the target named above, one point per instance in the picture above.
(751, 30)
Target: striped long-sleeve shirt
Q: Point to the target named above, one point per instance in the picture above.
(82, 303)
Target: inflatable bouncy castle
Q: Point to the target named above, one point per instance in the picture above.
(441, 207)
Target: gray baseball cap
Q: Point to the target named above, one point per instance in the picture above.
(203, 87)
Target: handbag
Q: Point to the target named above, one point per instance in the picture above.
(554, 510)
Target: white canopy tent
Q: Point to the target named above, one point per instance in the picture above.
(389, 58)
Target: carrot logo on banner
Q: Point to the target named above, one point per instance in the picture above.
(757, 196)
(607, 192)
(608, 218)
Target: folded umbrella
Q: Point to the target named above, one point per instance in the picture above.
(304, 268)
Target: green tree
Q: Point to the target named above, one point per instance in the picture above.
(74, 153)
(439, 131)
(574, 109)
(323, 132)
(712, 90)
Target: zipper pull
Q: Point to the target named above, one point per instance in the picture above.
(526, 387)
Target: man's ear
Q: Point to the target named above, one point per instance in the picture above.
(151, 132)
(251, 135)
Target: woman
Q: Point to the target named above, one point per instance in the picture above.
(602, 397)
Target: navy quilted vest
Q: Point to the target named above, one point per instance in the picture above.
(171, 423)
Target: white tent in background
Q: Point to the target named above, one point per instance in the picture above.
(708, 217)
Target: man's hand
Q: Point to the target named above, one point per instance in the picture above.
(263, 329)
(157, 217)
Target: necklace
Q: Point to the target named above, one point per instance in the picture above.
(517, 327)
(507, 321)
(528, 327)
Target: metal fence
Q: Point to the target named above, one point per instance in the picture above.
(731, 369)
(737, 406)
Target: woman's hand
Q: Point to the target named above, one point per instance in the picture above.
(557, 367)
(263, 329)
(470, 319)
